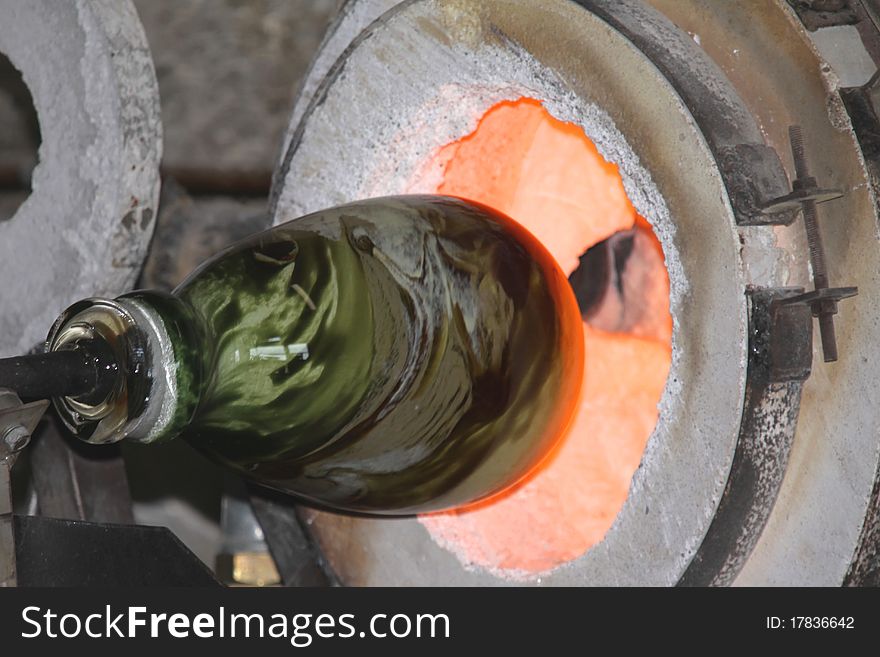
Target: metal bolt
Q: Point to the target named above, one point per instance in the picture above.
(16, 438)
(827, 308)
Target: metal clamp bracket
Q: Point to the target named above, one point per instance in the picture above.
(806, 195)
(17, 423)
(780, 359)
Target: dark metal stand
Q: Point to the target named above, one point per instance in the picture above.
(53, 552)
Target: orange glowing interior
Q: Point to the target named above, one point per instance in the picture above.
(548, 176)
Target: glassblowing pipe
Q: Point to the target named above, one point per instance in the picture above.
(85, 372)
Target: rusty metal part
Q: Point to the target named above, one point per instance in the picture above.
(824, 302)
(807, 195)
(752, 176)
(780, 357)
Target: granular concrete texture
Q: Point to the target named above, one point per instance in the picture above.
(84, 229)
(228, 71)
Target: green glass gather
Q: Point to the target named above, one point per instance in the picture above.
(396, 355)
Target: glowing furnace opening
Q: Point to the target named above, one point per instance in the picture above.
(548, 176)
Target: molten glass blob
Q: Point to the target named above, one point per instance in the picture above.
(548, 176)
